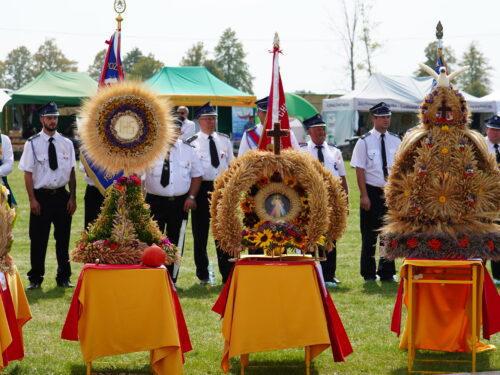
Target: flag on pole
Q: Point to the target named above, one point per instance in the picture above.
(112, 71)
(276, 110)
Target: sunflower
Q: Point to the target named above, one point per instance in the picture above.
(262, 181)
(247, 205)
(280, 239)
(264, 238)
(304, 201)
(290, 181)
(299, 241)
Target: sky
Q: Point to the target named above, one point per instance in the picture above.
(313, 58)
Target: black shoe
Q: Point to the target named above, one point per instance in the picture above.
(370, 280)
(65, 284)
(34, 285)
(389, 280)
(204, 281)
(337, 281)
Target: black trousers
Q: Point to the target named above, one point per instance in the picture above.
(168, 213)
(370, 223)
(93, 200)
(53, 207)
(495, 269)
(200, 223)
(329, 266)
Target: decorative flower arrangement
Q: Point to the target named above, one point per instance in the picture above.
(123, 229)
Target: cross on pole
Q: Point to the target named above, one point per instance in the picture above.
(444, 109)
(277, 133)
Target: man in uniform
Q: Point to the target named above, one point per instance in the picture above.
(331, 157)
(93, 199)
(188, 127)
(48, 162)
(215, 152)
(171, 187)
(372, 157)
(6, 164)
(251, 136)
(493, 141)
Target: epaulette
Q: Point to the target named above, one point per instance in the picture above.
(187, 143)
(331, 144)
(365, 135)
(33, 137)
(191, 139)
(223, 134)
(250, 129)
(395, 135)
(302, 144)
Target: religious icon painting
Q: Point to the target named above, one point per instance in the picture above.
(277, 202)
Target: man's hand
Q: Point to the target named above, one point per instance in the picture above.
(35, 207)
(71, 206)
(365, 203)
(189, 204)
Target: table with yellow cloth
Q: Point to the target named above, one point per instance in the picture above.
(443, 312)
(14, 313)
(119, 309)
(278, 305)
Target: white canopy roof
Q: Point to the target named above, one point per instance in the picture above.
(4, 98)
(401, 93)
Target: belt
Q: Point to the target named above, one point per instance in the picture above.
(51, 191)
(167, 198)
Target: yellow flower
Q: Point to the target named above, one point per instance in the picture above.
(442, 199)
(247, 205)
(264, 238)
(444, 151)
(262, 181)
(290, 181)
(406, 193)
(304, 201)
(445, 128)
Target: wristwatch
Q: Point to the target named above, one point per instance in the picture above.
(192, 197)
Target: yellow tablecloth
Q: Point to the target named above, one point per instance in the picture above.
(129, 310)
(273, 307)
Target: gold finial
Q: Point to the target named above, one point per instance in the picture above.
(120, 7)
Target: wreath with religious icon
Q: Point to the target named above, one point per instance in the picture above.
(293, 205)
(125, 127)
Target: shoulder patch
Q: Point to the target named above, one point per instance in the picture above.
(302, 145)
(33, 137)
(223, 134)
(186, 142)
(250, 129)
(365, 135)
(190, 139)
(331, 144)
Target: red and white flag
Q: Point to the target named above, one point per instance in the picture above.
(276, 109)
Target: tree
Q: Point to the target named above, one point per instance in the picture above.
(195, 56)
(50, 57)
(230, 56)
(431, 57)
(476, 79)
(18, 68)
(366, 36)
(2, 74)
(145, 67)
(95, 69)
(131, 58)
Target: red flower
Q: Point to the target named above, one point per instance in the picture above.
(135, 180)
(113, 246)
(435, 244)
(394, 244)
(490, 245)
(412, 242)
(463, 242)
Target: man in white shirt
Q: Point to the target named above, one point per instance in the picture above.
(493, 141)
(6, 165)
(48, 162)
(251, 136)
(215, 152)
(373, 157)
(171, 187)
(331, 157)
(188, 127)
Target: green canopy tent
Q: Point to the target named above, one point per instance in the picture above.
(298, 107)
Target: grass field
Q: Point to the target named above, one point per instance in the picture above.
(365, 311)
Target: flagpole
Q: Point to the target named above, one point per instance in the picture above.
(439, 36)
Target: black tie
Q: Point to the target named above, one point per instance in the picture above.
(384, 155)
(497, 152)
(214, 157)
(321, 158)
(165, 173)
(52, 155)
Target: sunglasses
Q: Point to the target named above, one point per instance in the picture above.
(181, 113)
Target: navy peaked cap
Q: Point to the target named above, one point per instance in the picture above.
(380, 109)
(49, 109)
(493, 122)
(262, 104)
(314, 121)
(205, 110)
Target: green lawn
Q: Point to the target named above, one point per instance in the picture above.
(365, 311)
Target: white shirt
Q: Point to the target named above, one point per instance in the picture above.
(35, 159)
(491, 147)
(367, 155)
(188, 129)
(331, 154)
(6, 156)
(87, 179)
(224, 146)
(184, 165)
(247, 143)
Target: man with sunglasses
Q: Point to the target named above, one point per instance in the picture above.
(188, 128)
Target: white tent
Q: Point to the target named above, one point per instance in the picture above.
(4, 98)
(494, 96)
(401, 93)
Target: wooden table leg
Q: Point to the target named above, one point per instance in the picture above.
(89, 368)
(308, 359)
(244, 358)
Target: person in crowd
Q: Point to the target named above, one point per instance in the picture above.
(493, 141)
(251, 136)
(373, 156)
(171, 186)
(215, 152)
(48, 162)
(331, 157)
(188, 127)
(6, 165)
